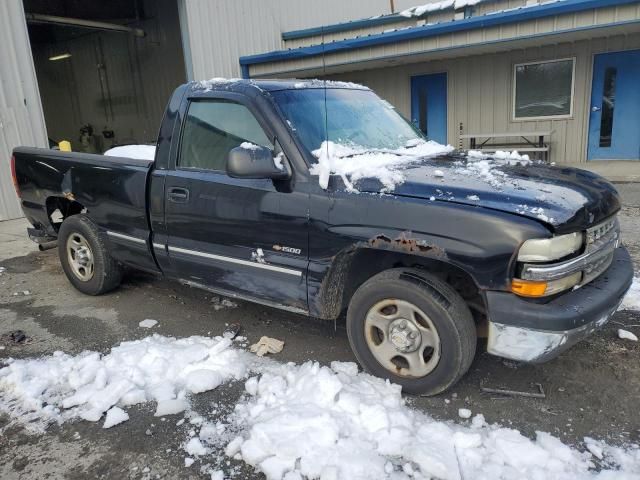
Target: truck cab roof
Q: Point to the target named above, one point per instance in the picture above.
(241, 85)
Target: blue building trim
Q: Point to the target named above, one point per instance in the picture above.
(491, 42)
(426, 31)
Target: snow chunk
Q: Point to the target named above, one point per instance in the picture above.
(475, 198)
(353, 162)
(631, 300)
(170, 406)
(148, 323)
(195, 448)
(627, 335)
(250, 146)
(188, 461)
(61, 387)
(464, 413)
(140, 152)
(115, 416)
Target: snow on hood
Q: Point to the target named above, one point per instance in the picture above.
(142, 152)
(354, 162)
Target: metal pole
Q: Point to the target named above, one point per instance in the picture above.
(80, 23)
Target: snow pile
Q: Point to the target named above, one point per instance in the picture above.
(161, 369)
(631, 300)
(310, 421)
(353, 162)
(437, 6)
(141, 152)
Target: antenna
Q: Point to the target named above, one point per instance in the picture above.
(326, 112)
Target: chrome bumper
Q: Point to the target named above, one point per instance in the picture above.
(523, 330)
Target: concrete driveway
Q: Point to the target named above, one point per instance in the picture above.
(591, 390)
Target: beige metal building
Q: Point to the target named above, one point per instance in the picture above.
(557, 78)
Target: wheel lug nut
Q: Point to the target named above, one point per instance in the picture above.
(413, 335)
(403, 324)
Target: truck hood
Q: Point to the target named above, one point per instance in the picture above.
(565, 199)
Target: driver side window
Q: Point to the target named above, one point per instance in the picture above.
(214, 127)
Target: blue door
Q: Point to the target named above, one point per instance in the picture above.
(614, 124)
(429, 105)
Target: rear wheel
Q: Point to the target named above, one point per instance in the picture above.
(412, 328)
(85, 258)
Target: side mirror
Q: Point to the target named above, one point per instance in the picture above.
(254, 161)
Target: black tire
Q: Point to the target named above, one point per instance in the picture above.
(446, 311)
(106, 272)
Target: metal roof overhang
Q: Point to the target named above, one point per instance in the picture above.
(523, 14)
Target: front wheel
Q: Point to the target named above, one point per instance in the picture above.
(85, 258)
(412, 328)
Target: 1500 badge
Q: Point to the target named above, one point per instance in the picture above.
(282, 248)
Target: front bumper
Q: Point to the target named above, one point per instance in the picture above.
(526, 331)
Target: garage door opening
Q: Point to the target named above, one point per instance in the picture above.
(105, 69)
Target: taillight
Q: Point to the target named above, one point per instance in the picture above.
(13, 174)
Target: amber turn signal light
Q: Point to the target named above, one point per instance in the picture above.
(526, 288)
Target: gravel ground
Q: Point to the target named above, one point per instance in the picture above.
(591, 389)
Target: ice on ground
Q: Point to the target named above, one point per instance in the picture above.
(627, 335)
(311, 421)
(148, 323)
(353, 162)
(115, 415)
(165, 370)
(141, 152)
(631, 300)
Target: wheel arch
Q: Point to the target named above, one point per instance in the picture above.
(353, 267)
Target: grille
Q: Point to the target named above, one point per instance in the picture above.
(601, 238)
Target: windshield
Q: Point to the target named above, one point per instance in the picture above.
(351, 117)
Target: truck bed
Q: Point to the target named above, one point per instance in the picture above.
(111, 191)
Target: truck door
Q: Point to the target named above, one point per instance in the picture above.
(236, 236)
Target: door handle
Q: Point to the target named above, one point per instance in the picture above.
(595, 109)
(178, 195)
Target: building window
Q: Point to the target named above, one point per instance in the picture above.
(543, 89)
(212, 129)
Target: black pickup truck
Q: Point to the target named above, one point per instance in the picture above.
(423, 256)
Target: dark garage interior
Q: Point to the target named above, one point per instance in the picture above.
(105, 69)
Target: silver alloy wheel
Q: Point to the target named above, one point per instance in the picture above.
(402, 338)
(80, 257)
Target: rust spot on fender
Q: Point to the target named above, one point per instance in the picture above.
(406, 243)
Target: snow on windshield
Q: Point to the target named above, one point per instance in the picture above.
(353, 162)
(142, 152)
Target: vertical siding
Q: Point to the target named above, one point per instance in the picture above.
(21, 119)
(480, 92)
(221, 31)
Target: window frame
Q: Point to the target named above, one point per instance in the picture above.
(514, 118)
(220, 99)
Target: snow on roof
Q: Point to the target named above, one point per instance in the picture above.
(420, 10)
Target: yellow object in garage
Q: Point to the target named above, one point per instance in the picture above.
(64, 146)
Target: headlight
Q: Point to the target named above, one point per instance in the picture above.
(549, 249)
